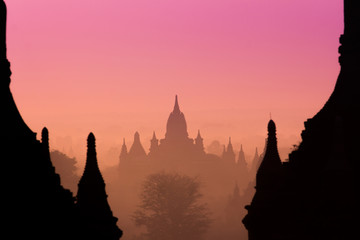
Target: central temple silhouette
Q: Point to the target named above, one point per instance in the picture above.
(176, 146)
(177, 151)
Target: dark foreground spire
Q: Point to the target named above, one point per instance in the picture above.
(95, 215)
(319, 187)
(11, 118)
(262, 220)
(34, 204)
(271, 163)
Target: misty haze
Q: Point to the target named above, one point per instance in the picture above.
(190, 120)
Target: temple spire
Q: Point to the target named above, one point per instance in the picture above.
(137, 137)
(91, 171)
(123, 152)
(154, 144)
(95, 216)
(199, 142)
(176, 129)
(230, 148)
(45, 137)
(137, 150)
(241, 158)
(176, 106)
(271, 163)
(229, 154)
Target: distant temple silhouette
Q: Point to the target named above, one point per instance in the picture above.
(228, 153)
(315, 194)
(177, 150)
(34, 203)
(177, 146)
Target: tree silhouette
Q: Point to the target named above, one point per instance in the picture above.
(170, 208)
(66, 167)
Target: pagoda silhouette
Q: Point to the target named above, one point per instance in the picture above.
(95, 215)
(314, 194)
(178, 151)
(177, 146)
(34, 203)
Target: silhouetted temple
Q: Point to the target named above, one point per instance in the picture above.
(228, 153)
(177, 146)
(271, 163)
(241, 164)
(34, 203)
(137, 150)
(178, 149)
(270, 195)
(123, 152)
(95, 215)
(314, 194)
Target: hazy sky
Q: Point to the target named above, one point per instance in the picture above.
(113, 67)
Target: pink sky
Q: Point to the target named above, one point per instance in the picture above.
(113, 67)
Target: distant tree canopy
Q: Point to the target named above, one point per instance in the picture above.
(65, 166)
(170, 208)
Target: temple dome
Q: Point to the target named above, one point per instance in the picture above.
(176, 127)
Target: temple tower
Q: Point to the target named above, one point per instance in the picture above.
(199, 142)
(241, 168)
(137, 152)
(176, 146)
(176, 128)
(241, 157)
(123, 152)
(271, 163)
(262, 220)
(319, 185)
(327, 157)
(95, 216)
(229, 154)
(33, 195)
(154, 145)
